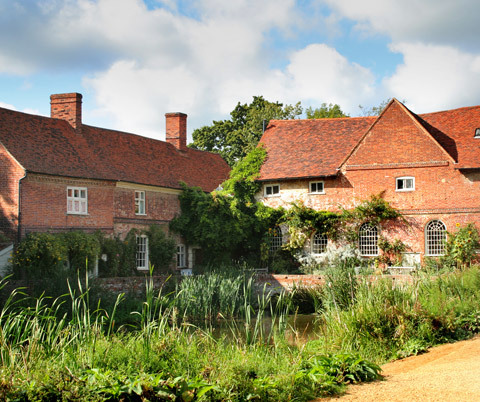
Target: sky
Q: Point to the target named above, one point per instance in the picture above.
(135, 60)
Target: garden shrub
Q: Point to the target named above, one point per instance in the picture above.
(40, 255)
(162, 249)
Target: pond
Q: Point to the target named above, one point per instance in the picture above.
(299, 328)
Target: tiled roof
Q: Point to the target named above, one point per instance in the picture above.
(52, 146)
(317, 147)
(309, 148)
(454, 130)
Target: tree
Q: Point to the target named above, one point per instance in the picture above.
(235, 137)
(375, 110)
(325, 111)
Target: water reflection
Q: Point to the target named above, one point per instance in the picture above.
(298, 329)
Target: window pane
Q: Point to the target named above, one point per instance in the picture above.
(368, 239)
(435, 238)
(319, 243)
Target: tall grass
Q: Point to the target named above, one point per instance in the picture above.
(47, 354)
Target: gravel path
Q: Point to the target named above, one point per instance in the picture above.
(445, 373)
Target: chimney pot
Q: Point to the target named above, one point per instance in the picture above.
(176, 130)
(67, 107)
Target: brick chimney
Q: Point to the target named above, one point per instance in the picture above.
(67, 107)
(176, 128)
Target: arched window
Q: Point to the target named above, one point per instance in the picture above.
(319, 243)
(435, 238)
(368, 239)
(275, 238)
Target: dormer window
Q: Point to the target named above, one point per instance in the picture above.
(477, 133)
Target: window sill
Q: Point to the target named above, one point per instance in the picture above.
(77, 213)
(316, 193)
(142, 269)
(405, 191)
(272, 196)
(140, 214)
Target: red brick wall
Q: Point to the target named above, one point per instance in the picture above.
(396, 138)
(10, 174)
(160, 208)
(44, 205)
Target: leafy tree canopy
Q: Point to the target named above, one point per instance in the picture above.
(325, 111)
(235, 137)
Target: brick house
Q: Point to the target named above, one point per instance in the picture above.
(58, 174)
(427, 166)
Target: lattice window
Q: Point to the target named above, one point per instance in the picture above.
(275, 238)
(142, 252)
(319, 243)
(368, 239)
(435, 238)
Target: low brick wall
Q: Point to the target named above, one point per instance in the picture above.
(276, 283)
(271, 282)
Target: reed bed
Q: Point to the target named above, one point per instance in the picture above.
(47, 354)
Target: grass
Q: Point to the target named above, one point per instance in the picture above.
(48, 354)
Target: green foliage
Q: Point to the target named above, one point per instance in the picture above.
(303, 221)
(82, 249)
(226, 228)
(120, 256)
(342, 368)
(162, 249)
(391, 251)
(46, 355)
(242, 177)
(461, 247)
(374, 210)
(340, 285)
(325, 111)
(40, 255)
(233, 139)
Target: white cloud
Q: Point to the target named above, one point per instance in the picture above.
(319, 72)
(435, 77)
(441, 22)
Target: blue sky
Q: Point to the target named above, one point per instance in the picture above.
(136, 60)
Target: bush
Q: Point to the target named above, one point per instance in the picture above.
(40, 255)
(162, 249)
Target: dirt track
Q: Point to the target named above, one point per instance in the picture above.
(445, 373)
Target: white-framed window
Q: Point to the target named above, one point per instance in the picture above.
(139, 202)
(142, 252)
(275, 238)
(435, 238)
(181, 256)
(368, 239)
(77, 200)
(319, 243)
(271, 190)
(317, 187)
(405, 184)
(477, 133)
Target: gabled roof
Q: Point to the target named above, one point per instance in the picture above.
(52, 146)
(318, 147)
(454, 130)
(309, 148)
